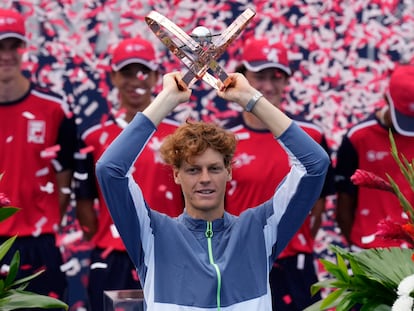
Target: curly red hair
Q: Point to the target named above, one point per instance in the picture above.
(193, 138)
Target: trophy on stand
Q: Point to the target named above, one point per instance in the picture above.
(199, 50)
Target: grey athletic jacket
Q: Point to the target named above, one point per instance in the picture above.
(190, 264)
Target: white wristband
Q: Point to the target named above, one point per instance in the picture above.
(252, 102)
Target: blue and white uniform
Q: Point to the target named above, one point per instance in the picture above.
(220, 265)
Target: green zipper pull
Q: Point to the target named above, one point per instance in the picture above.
(209, 230)
(209, 235)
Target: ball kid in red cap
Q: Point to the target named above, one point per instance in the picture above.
(401, 99)
(12, 25)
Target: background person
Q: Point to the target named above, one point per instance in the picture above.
(265, 65)
(135, 74)
(37, 143)
(367, 146)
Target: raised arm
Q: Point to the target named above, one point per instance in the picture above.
(113, 170)
(173, 93)
(296, 195)
(300, 146)
(241, 92)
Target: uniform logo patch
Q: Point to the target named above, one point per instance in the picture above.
(373, 155)
(36, 131)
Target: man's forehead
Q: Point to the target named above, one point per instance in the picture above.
(135, 66)
(11, 42)
(272, 71)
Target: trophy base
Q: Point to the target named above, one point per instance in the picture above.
(126, 300)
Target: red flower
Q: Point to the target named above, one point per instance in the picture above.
(390, 230)
(370, 180)
(409, 228)
(4, 201)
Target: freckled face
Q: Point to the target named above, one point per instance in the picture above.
(203, 183)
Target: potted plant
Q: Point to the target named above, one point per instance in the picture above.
(12, 292)
(377, 279)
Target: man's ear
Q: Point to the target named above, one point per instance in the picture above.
(176, 177)
(157, 75)
(112, 75)
(229, 174)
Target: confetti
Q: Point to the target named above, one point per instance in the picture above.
(80, 176)
(341, 52)
(71, 267)
(142, 76)
(87, 149)
(28, 115)
(140, 91)
(48, 188)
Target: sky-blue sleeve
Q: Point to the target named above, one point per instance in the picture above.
(122, 194)
(297, 193)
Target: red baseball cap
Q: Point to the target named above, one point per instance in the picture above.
(134, 50)
(260, 53)
(12, 25)
(401, 99)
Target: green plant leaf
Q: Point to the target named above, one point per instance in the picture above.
(343, 268)
(6, 245)
(1, 287)
(372, 306)
(13, 269)
(388, 265)
(345, 303)
(6, 212)
(335, 270)
(410, 170)
(333, 297)
(317, 306)
(403, 200)
(321, 284)
(23, 281)
(405, 168)
(314, 307)
(355, 268)
(16, 299)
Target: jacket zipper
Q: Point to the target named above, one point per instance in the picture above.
(209, 236)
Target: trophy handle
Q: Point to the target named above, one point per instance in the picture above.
(196, 58)
(233, 31)
(180, 44)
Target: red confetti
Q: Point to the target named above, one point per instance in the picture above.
(106, 252)
(87, 149)
(287, 299)
(55, 148)
(53, 295)
(135, 275)
(141, 76)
